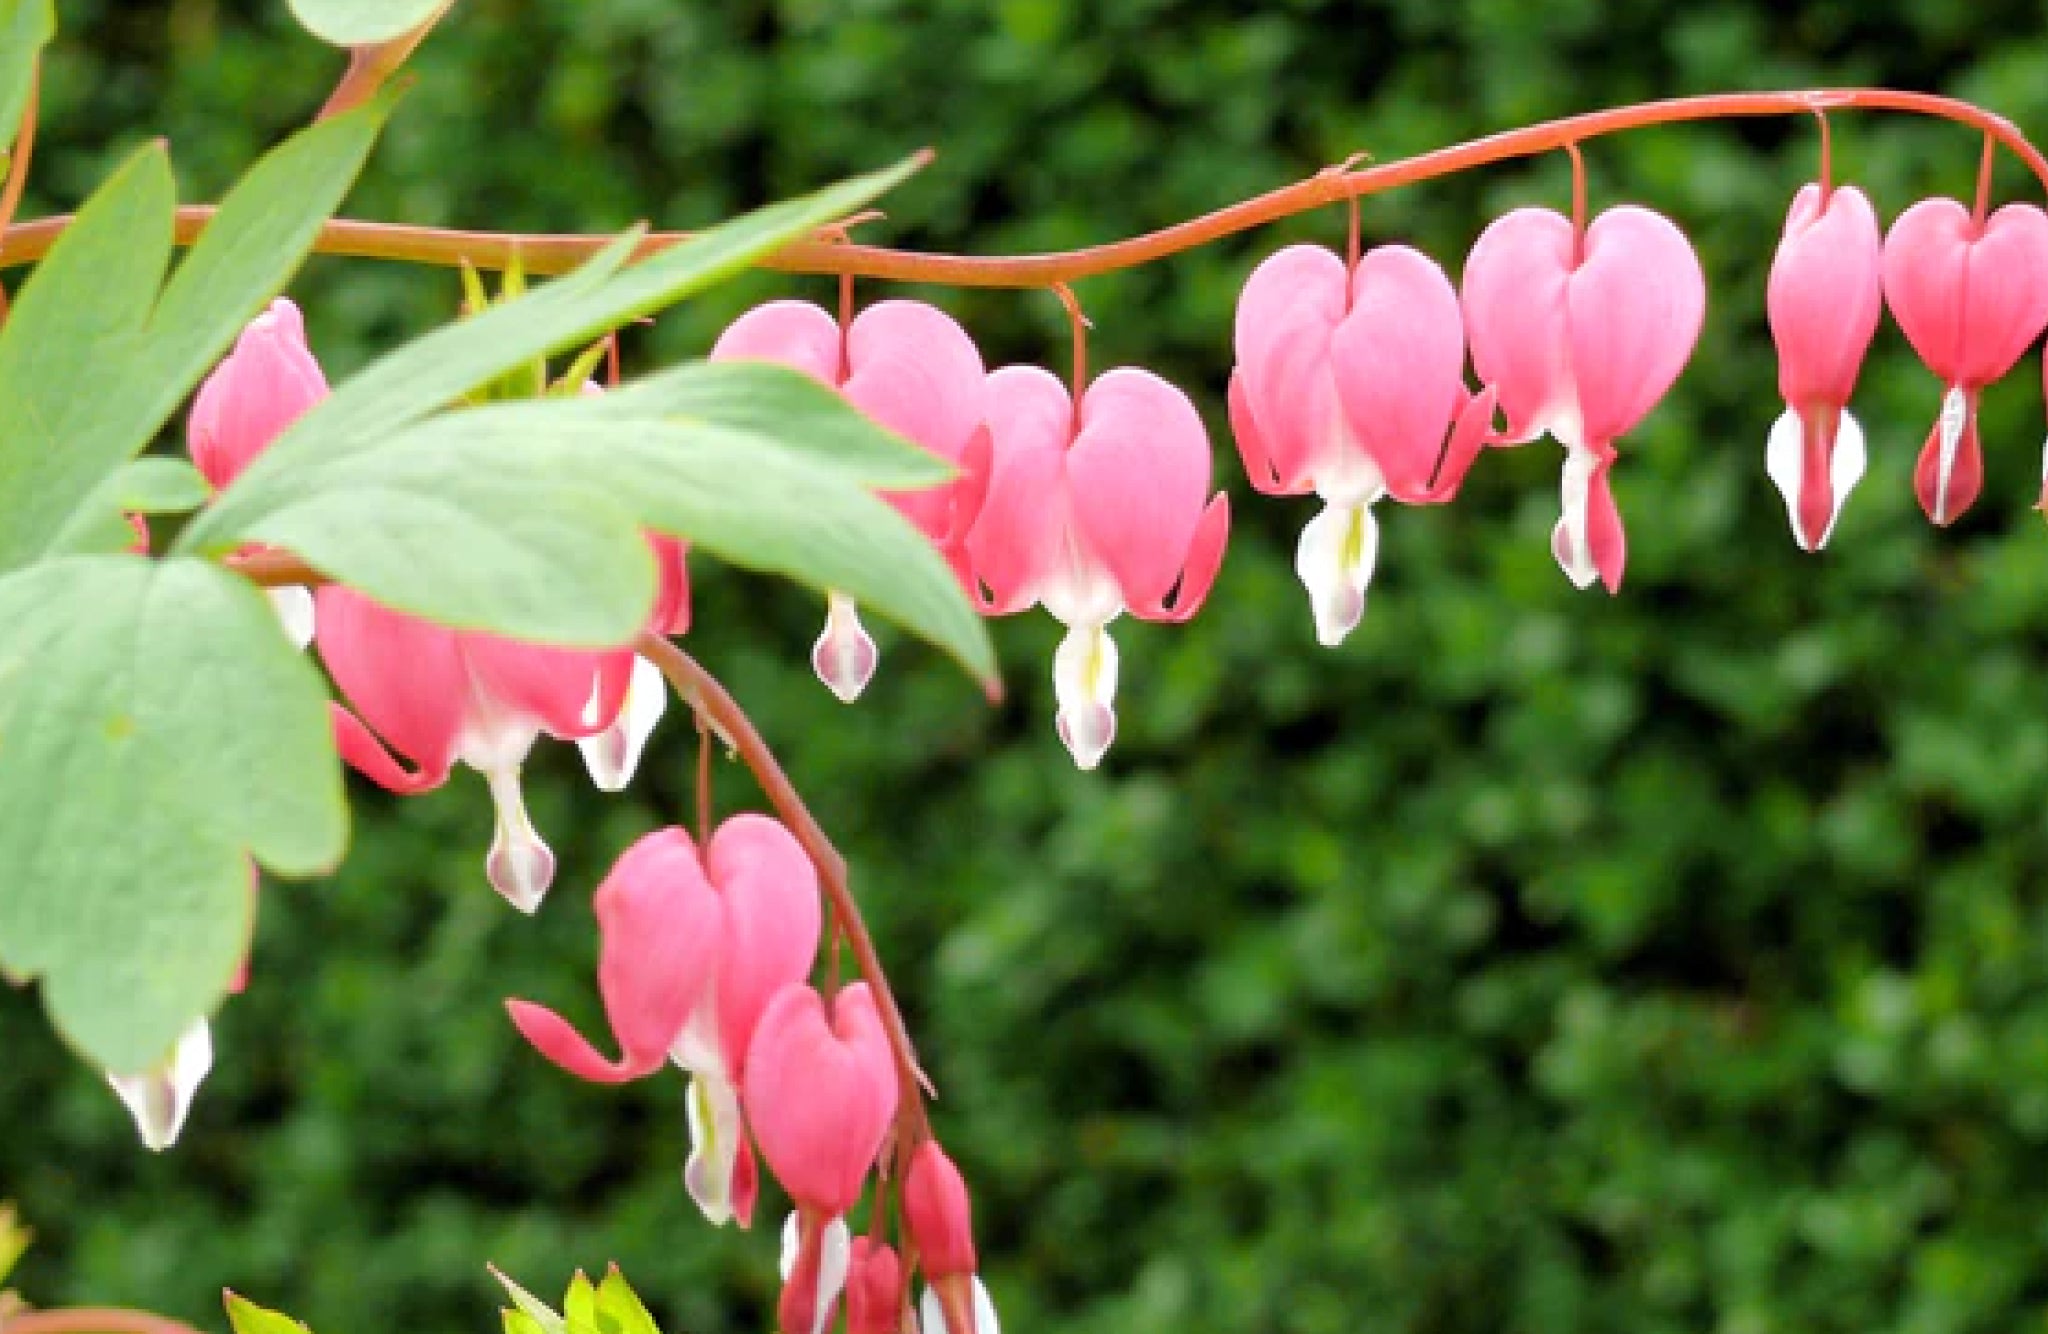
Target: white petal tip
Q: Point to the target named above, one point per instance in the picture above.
(1084, 674)
(612, 756)
(844, 656)
(294, 607)
(1087, 733)
(160, 1098)
(1785, 462)
(519, 865)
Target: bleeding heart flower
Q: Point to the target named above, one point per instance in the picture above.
(1971, 296)
(613, 755)
(1826, 296)
(261, 387)
(767, 892)
(659, 938)
(910, 367)
(1581, 341)
(821, 1091)
(438, 696)
(1347, 383)
(816, 1262)
(1092, 514)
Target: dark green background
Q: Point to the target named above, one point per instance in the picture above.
(1539, 962)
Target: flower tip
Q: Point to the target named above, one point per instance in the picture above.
(519, 865)
(844, 656)
(160, 1098)
(1087, 732)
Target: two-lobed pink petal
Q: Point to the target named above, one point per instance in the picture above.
(1635, 307)
(1138, 475)
(1514, 295)
(659, 932)
(1018, 535)
(768, 893)
(1970, 300)
(1399, 364)
(820, 1093)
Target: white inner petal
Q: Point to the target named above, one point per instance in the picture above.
(1569, 541)
(1955, 415)
(1334, 561)
(160, 1097)
(715, 1132)
(1084, 670)
(294, 607)
(844, 656)
(613, 755)
(519, 865)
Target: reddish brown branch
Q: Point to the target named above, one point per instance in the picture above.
(543, 254)
(716, 706)
(93, 1320)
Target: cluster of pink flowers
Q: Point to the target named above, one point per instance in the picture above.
(704, 963)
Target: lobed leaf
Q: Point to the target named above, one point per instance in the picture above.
(364, 22)
(26, 27)
(157, 732)
(93, 360)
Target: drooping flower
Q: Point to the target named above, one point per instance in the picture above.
(910, 367)
(438, 696)
(1091, 514)
(1581, 341)
(1350, 383)
(1971, 295)
(659, 934)
(1825, 298)
(767, 890)
(940, 1219)
(261, 387)
(821, 1091)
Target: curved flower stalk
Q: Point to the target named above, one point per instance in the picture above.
(1825, 299)
(910, 367)
(264, 385)
(1971, 295)
(1091, 513)
(1350, 382)
(1580, 337)
(821, 1092)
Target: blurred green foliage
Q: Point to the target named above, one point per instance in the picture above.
(1538, 962)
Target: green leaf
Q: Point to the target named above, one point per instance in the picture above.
(528, 1308)
(579, 1304)
(159, 484)
(26, 27)
(156, 732)
(364, 22)
(525, 519)
(14, 1240)
(619, 1308)
(92, 362)
(434, 371)
(787, 407)
(249, 1318)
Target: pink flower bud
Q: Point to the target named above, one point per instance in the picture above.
(259, 389)
(1091, 517)
(938, 1213)
(1971, 297)
(1581, 341)
(874, 1289)
(658, 929)
(820, 1092)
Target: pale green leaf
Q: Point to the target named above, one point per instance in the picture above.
(92, 363)
(619, 1308)
(521, 519)
(787, 407)
(159, 484)
(249, 1318)
(434, 371)
(527, 1306)
(14, 1240)
(364, 22)
(157, 731)
(26, 26)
